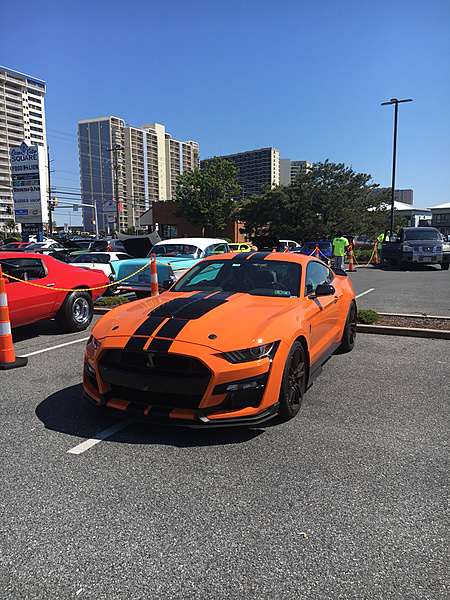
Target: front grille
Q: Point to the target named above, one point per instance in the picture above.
(157, 379)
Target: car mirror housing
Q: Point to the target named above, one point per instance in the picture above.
(324, 289)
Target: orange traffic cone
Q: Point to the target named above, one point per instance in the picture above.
(8, 358)
(375, 253)
(153, 276)
(350, 258)
(316, 253)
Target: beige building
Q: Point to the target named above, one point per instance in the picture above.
(137, 166)
(257, 168)
(22, 118)
(289, 169)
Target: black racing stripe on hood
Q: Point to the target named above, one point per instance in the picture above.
(136, 343)
(193, 307)
(168, 309)
(149, 326)
(158, 345)
(259, 255)
(172, 328)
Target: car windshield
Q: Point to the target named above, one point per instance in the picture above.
(94, 257)
(184, 250)
(424, 235)
(259, 278)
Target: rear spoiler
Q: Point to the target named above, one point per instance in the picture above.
(338, 271)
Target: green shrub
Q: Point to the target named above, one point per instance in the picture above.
(111, 301)
(367, 316)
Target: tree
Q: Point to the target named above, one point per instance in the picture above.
(328, 198)
(206, 198)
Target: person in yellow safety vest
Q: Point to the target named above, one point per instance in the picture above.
(340, 245)
(383, 237)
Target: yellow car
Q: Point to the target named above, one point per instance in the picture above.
(240, 247)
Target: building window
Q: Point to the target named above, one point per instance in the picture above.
(36, 129)
(440, 219)
(169, 231)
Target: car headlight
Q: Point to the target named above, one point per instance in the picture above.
(250, 354)
(94, 341)
(407, 248)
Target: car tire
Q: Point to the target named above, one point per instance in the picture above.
(293, 384)
(112, 290)
(76, 311)
(349, 335)
(444, 266)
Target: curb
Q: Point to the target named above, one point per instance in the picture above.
(440, 334)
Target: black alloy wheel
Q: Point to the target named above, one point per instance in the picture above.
(349, 335)
(293, 384)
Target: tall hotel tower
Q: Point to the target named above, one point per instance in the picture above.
(131, 165)
(22, 118)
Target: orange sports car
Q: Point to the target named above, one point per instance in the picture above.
(236, 340)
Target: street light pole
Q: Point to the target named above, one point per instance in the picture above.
(116, 182)
(396, 102)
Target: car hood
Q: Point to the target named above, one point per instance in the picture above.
(139, 245)
(219, 321)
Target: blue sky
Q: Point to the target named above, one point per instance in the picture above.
(307, 78)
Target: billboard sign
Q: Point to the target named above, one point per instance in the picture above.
(109, 207)
(29, 184)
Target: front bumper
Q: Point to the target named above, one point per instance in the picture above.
(180, 389)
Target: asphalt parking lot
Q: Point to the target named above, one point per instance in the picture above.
(424, 289)
(348, 500)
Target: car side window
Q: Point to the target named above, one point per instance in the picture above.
(316, 273)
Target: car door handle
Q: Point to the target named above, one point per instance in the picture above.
(50, 284)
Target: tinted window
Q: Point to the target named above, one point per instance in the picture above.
(316, 273)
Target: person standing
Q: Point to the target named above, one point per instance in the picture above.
(383, 237)
(340, 245)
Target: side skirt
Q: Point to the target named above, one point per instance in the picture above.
(316, 369)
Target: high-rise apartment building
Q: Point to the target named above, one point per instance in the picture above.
(136, 166)
(289, 169)
(257, 168)
(405, 196)
(22, 118)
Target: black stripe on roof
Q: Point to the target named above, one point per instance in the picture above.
(259, 255)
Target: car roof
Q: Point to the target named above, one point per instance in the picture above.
(201, 243)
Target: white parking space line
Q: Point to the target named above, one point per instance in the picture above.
(364, 293)
(99, 437)
(54, 347)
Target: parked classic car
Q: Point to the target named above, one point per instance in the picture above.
(325, 250)
(236, 340)
(173, 258)
(48, 288)
(103, 261)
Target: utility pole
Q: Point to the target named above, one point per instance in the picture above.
(50, 205)
(396, 102)
(116, 182)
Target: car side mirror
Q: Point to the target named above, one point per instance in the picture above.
(324, 289)
(166, 284)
